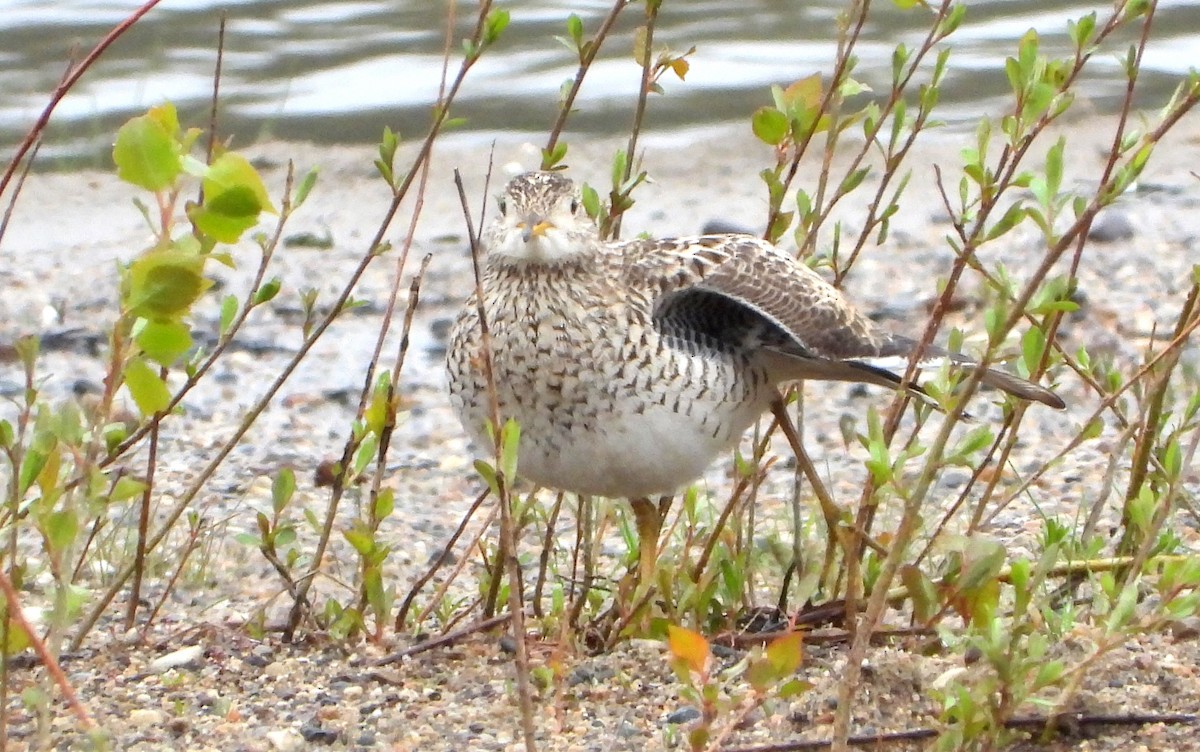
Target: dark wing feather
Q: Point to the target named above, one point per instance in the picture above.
(755, 274)
(739, 291)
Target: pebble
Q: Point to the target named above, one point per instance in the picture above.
(274, 669)
(1110, 226)
(314, 733)
(143, 717)
(189, 656)
(1187, 628)
(285, 740)
(685, 714)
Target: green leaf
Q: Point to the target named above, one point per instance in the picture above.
(770, 125)
(552, 157)
(229, 309)
(575, 30)
(488, 473)
(285, 535)
(1012, 217)
(164, 283)
(591, 201)
(282, 489)
(61, 528)
(922, 593)
(268, 291)
(307, 183)
(163, 340)
(950, 24)
(31, 467)
(495, 24)
(510, 438)
(850, 87)
(147, 151)
(147, 388)
(385, 503)
(234, 197)
(126, 488)
(1033, 345)
(360, 538)
(793, 688)
(641, 52)
(1081, 31)
(760, 675)
(985, 557)
(853, 180)
(365, 453)
(248, 539)
(978, 438)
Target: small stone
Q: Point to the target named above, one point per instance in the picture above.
(316, 734)
(189, 656)
(947, 677)
(1185, 629)
(683, 715)
(627, 730)
(1111, 226)
(284, 740)
(352, 692)
(143, 717)
(274, 670)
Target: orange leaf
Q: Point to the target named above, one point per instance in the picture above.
(688, 646)
(806, 91)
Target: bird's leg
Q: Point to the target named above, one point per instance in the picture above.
(649, 523)
(831, 511)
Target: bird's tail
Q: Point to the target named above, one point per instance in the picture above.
(903, 348)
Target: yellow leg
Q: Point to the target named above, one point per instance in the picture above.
(649, 525)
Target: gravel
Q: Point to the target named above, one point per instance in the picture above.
(199, 678)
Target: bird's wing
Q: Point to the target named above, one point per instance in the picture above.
(741, 286)
(754, 274)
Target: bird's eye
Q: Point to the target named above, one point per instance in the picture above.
(500, 202)
(574, 205)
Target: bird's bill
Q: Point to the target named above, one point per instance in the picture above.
(534, 227)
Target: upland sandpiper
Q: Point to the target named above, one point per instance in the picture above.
(631, 365)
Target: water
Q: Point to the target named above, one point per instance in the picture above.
(339, 71)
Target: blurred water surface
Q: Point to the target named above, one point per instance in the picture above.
(337, 71)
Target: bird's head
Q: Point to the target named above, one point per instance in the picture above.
(541, 221)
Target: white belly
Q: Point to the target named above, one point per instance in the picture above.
(631, 456)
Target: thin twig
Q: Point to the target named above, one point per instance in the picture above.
(65, 86)
(586, 56)
(406, 604)
(1067, 724)
(437, 642)
(13, 606)
(506, 559)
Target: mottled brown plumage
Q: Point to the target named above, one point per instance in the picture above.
(631, 365)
